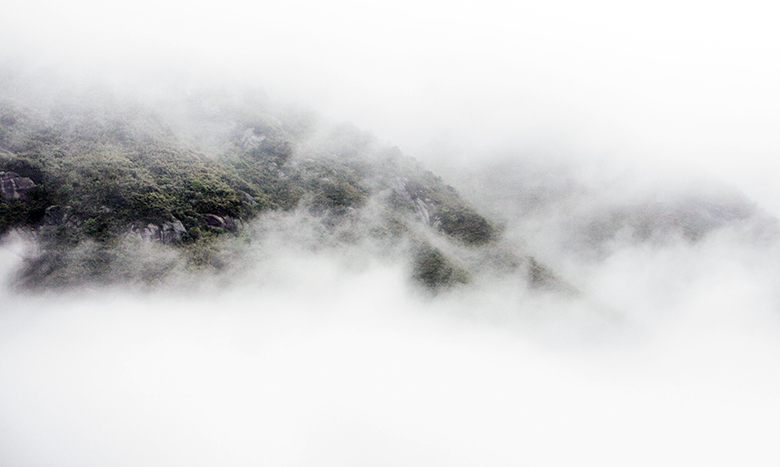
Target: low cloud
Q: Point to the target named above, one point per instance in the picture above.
(315, 357)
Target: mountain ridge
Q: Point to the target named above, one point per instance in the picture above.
(104, 174)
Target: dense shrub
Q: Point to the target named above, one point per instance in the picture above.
(435, 271)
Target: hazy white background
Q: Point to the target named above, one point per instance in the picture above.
(304, 362)
(334, 367)
(684, 84)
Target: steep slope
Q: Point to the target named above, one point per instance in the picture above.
(106, 178)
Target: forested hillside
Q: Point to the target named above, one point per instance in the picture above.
(95, 174)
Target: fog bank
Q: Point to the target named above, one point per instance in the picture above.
(311, 359)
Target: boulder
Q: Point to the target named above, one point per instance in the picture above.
(399, 185)
(151, 233)
(166, 233)
(249, 199)
(178, 227)
(214, 220)
(226, 223)
(171, 232)
(12, 186)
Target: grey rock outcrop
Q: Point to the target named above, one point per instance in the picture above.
(166, 233)
(420, 206)
(60, 215)
(178, 227)
(399, 185)
(422, 211)
(249, 199)
(151, 233)
(12, 186)
(171, 232)
(214, 220)
(226, 223)
(55, 215)
(250, 140)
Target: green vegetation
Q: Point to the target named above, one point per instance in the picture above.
(435, 270)
(145, 177)
(22, 213)
(542, 278)
(448, 212)
(106, 172)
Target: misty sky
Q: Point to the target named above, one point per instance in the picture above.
(680, 85)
